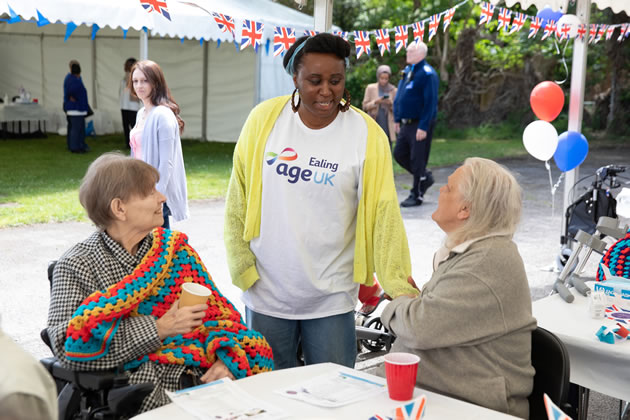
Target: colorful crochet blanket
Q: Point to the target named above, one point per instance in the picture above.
(617, 259)
(151, 290)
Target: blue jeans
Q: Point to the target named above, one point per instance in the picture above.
(328, 339)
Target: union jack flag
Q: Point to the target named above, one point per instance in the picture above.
(401, 37)
(343, 34)
(362, 43)
(310, 33)
(418, 31)
(623, 30)
(581, 31)
(487, 10)
(600, 33)
(553, 411)
(609, 32)
(563, 32)
(225, 22)
(505, 15)
(518, 22)
(592, 33)
(382, 40)
(448, 16)
(549, 29)
(411, 411)
(252, 34)
(534, 26)
(434, 22)
(283, 38)
(157, 6)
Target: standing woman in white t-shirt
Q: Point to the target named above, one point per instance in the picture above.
(129, 105)
(155, 137)
(312, 211)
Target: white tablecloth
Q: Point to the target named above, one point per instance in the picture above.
(602, 367)
(22, 112)
(262, 386)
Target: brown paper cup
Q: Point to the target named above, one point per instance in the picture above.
(193, 294)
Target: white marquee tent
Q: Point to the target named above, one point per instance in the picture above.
(214, 84)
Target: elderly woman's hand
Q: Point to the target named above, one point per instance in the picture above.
(217, 371)
(180, 320)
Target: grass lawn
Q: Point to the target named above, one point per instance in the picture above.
(39, 178)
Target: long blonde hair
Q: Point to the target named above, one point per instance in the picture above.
(494, 197)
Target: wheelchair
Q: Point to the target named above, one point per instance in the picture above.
(98, 395)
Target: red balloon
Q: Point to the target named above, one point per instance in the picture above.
(547, 100)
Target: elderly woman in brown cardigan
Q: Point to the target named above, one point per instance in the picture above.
(378, 101)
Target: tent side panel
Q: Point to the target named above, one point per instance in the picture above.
(231, 90)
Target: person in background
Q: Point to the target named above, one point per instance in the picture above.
(378, 101)
(27, 391)
(115, 295)
(415, 113)
(155, 138)
(66, 80)
(472, 323)
(75, 104)
(129, 105)
(311, 211)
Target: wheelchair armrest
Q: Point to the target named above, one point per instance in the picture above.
(94, 380)
(126, 400)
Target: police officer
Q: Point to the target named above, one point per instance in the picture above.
(415, 113)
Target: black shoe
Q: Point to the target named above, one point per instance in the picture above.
(426, 183)
(87, 148)
(411, 201)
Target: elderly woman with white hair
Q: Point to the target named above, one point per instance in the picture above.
(471, 324)
(378, 101)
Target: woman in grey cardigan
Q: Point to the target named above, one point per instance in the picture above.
(155, 138)
(471, 325)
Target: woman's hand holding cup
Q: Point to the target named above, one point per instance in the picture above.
(187, 313)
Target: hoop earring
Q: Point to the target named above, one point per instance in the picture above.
(295, 107)
(347, 98)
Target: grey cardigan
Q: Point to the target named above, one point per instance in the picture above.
(471, 327)
(162, 148)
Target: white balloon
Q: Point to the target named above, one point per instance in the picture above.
(572, 21)
(540, 139)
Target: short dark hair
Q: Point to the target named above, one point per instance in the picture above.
(75, 68)
(129, 63)
(321, 43)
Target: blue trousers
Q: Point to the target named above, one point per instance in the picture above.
(328, 339)
(165, 213)
(76, 133)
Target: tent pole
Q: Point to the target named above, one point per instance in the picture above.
(144, 44)
(576, 101)
(204, 93)
(94, 95)
(323, 15)
(43, 65)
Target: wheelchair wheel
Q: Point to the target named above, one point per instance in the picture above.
(375, 345)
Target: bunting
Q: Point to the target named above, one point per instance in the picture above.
(343, 34)
(549, 29)
(418, 32)
(434, 22)
(505, 15)
(283, 38)
(400, 37)
(518, 22)
(487, 10)
(310, 33)
(252, 34)
(534, 26)
(382, 40)
(581, 31)
(623, 31)
(158, 6)
(600, 33)
(448, 16)
(592, 33)
(362, 43)
(224, 22)
(609, 32)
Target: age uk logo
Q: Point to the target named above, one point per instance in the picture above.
(296, 173)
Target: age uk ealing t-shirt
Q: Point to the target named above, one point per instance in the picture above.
(311, 184)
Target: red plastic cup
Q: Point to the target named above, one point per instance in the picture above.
(401, 370)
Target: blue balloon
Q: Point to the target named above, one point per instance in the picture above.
(548, 14)
(572, 150)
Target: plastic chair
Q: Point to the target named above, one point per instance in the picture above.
(551, 361)
(92, 394)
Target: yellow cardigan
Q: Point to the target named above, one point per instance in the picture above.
(380, 243)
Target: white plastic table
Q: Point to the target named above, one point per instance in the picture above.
(262, 386)
(598, 366)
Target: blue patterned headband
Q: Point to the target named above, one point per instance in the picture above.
(289, 67)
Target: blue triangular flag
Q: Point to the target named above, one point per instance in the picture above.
(182, 40)
(14, 16)
(267, 46)
(41, 20)
(238, 49)
(95, 29)
(125, 33)
(201, 41)
(218, 43)
(70, 27)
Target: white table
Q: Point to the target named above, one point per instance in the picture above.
(602, 367)
(18, 112)
(262, 386)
